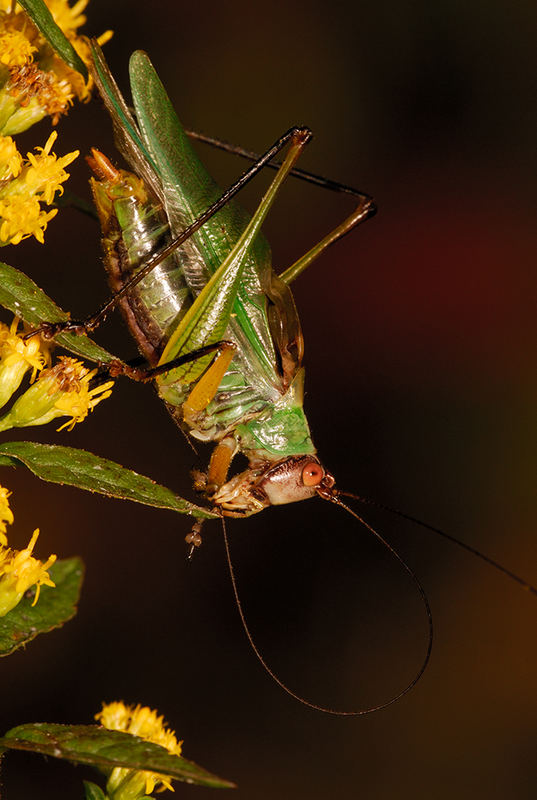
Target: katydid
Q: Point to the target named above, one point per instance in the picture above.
(217, 326)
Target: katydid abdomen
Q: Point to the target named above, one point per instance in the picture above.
(133, 227)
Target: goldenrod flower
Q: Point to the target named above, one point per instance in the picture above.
(25, 186)
(10, 159)
(18, 571)
(34, 81)
(15, 48)
(69, 20)
(6, 514)
(129, 784)
(17, 356)
(61, 391)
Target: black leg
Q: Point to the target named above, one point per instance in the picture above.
(50, 329)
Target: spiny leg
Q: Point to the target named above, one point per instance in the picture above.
(83, 327)
(132, 370)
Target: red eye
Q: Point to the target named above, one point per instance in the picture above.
(312, 474)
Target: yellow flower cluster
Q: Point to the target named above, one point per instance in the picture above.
(19, 570)
(126, 784)
(24, 185)
(34, 81)
(60, 391)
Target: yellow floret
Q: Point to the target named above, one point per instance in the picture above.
(6, 514)
(147, 724)
(33, 181)
(15, 48)
(10, 159)
(19, 570)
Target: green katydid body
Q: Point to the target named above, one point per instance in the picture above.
(219, 285)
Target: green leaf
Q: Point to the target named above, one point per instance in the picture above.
(55, 606)
(92, 744)
(74, 467)
(93, 792)
(42, 19)
(23, 297)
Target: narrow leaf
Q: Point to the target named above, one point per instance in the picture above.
(93, 792)
(55, 606)
(43, 20)
(92, 744)
(67, 465)
(25, 299)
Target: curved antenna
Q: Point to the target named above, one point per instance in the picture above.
(529, 587)
(308, 703)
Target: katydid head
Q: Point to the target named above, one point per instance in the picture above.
(295, 478)
(285, 481)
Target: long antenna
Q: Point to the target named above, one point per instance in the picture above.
(308, 703)
(529, 587)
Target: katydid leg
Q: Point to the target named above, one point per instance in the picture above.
(207, 385)
(221, 459)
(302, 174)
(194, 538)
(144, 374)
(365, 209)
(83, 327)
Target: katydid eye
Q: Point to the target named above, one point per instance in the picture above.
(312, 474)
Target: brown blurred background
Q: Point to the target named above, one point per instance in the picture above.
(421, 392)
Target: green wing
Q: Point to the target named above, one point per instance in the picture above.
(188, 191)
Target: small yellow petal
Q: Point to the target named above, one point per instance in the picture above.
(19, 570)
(15, 48)
(6, 515)
(10, 158)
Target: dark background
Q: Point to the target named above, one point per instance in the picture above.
(421, 392)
